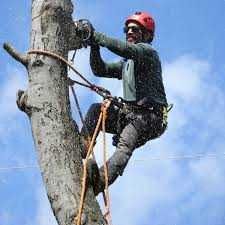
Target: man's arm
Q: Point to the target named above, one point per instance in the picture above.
(101, 68)
(122, 48)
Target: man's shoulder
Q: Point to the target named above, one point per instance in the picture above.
(146, 46)
(148, 49)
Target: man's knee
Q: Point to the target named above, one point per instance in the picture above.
(128, 138)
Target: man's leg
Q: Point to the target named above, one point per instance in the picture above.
(125, 147)
(117, 162)
(140, 129)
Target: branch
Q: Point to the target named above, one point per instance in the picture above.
(15, 54)
(21, 102)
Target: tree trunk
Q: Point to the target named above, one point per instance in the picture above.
(46, 102)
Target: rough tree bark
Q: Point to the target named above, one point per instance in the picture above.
(46, 102)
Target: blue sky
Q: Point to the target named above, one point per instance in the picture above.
(175, 180)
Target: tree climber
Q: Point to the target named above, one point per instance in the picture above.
(142, 116)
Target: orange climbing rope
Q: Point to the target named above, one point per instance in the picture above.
(84, 178)
(101, 120)
(106, 191)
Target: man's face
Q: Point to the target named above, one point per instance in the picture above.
(133, 33)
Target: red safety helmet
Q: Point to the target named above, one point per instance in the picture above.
(144, 19)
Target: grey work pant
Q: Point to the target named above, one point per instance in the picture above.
(132, 127)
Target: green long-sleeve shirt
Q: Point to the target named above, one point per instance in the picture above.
(140, 69)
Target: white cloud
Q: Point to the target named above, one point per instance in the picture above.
(209, 172)
(184, 77)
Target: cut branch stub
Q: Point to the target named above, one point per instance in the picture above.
(15, 54)
(21, 102)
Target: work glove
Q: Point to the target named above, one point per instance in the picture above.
(85, 30)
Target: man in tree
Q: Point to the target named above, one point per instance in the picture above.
(141, 117)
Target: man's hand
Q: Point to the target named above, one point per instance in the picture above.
(84, 30)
